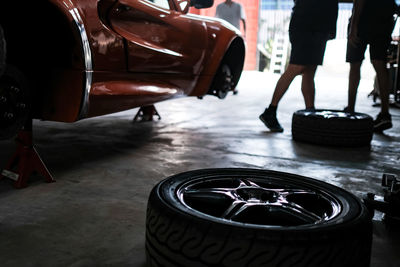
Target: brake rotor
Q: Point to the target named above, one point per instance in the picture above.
(226, 83)
(14, 102)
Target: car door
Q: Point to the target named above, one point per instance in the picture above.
(160, 38)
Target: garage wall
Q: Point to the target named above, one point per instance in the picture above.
(252, 10)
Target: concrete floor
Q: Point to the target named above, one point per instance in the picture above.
(94, 215)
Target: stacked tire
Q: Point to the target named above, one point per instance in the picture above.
(332, 128)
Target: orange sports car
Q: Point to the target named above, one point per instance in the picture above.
(67, 60)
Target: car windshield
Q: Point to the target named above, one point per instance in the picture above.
(161, 3)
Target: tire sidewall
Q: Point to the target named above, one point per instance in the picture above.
(352, 208)
(332, 128)
(176, 237)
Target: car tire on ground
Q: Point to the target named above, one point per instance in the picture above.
(332, 128)
(249, 217)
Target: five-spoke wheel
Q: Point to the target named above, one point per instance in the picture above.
(248, 217)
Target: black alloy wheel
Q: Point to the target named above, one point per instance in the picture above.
(15, 102)
(249, 217)
(226, 81)
(223, 82)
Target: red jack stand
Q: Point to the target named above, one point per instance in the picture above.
(146, 113)
(26, 160)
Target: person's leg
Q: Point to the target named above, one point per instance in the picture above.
(316, 47)
(284, 82)
(378, 52)
(383, 120)
(308, 86)
(354, 81)
(382, 75)
(354, 56)
(299, 57)
(268, 117)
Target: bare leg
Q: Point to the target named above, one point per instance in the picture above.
(284, 82)
(269, 115)
(383, 81)
(308, 85)
(354, 81)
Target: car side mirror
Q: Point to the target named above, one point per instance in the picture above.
(201, 3)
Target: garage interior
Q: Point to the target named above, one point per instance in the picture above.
(105, 167)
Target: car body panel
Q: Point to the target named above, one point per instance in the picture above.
(159, 40)
(125, 54)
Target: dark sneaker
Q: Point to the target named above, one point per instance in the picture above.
(270, 120)
(382, 122)
(348, 110)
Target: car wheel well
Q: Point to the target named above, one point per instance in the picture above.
(40, 44)
(232, 65)
(234, 58)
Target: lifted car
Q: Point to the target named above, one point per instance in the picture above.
(68, 60)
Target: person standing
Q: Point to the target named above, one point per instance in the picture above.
(312, 24)
(371, 24)
(233, 13)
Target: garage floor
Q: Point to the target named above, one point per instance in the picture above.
(94, 215)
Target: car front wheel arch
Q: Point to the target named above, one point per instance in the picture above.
(229, 70)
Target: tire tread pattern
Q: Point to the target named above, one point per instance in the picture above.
(178, 240)
(343, 132)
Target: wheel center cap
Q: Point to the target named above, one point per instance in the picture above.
(257, 195)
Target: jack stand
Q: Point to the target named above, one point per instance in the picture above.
(146, 113)
(26, 160)
(390, 204)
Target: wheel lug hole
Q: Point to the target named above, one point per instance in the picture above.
(20, 105)
(15, 89)
(8, 115)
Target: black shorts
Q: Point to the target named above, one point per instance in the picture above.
(308, 48)
(377, 49)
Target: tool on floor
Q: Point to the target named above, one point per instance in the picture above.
(389, 204)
